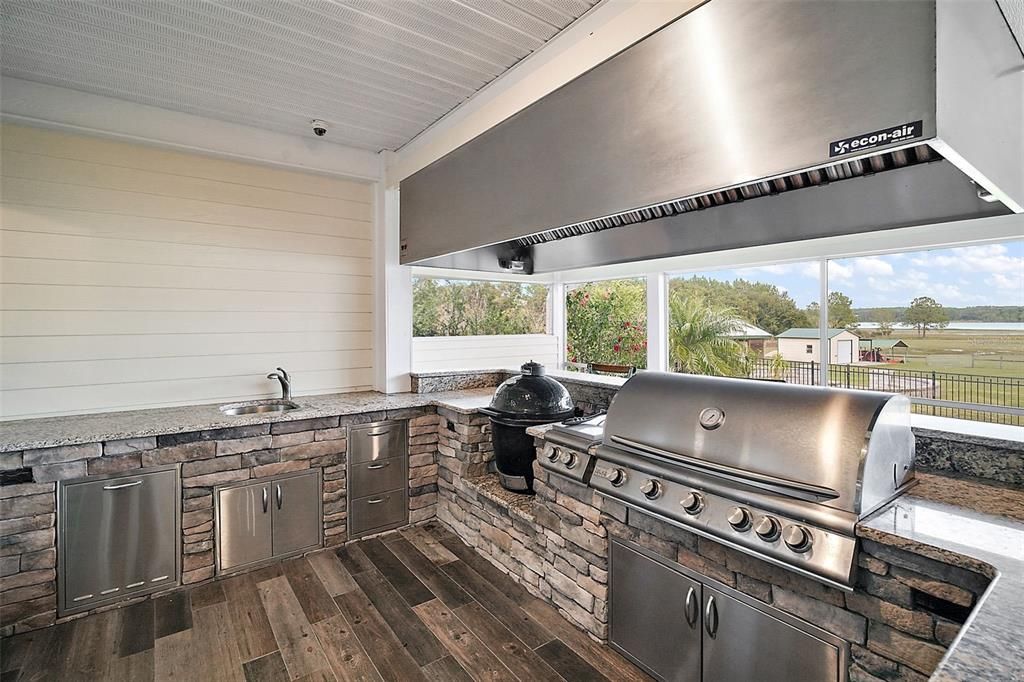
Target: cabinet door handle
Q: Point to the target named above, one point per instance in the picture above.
(379, 466)
(711, 617)
(692, 609)
(122, 485)
(265, 500)
(280, 496)
(376, 501)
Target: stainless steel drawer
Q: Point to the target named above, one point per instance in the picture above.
(377, 512)
(370, 478)
(380, 440)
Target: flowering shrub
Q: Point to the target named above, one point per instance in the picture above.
(606, 322)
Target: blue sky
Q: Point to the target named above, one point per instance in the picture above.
(991, 274)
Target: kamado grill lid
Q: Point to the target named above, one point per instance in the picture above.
(531, 395)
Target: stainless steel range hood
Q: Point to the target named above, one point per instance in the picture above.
(742, 123)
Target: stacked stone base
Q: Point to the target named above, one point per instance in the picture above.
(900, 619)
(28, 555)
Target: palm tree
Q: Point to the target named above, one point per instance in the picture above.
(698, 338)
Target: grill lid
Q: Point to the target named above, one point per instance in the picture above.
(841, 448)
(531, 395)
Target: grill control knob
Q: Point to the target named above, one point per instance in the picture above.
(651, 489)
(568, 459)
(797, 538)
(615, 476)
(767, 528)
(553, 454)
(693, 503)
(739, 518)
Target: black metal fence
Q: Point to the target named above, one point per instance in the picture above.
(978, 391)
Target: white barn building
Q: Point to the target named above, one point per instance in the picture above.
(801, 344)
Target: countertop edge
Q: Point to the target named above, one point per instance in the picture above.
(984, 648)
(207, 417)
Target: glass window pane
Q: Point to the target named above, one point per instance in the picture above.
(448, 307)
(945, 324)
(759, 322)
(606, 326)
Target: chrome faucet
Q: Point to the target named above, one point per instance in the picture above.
(286, 382)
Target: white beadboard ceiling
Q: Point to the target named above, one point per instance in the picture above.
(378, 71)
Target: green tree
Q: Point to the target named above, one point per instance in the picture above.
(840, 312)
(463, 308)
(925, 313)
(699, 338)
(606, 322)
(757, 303)
(886, 318)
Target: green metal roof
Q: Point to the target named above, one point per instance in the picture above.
(809, 333)
(883, 344)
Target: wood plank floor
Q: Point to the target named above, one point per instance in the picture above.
(412, 605)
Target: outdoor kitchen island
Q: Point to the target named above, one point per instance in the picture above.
(949, 552)
(918, 580)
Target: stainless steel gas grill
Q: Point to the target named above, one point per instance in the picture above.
(776, 470)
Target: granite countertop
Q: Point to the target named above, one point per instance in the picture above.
(599, 380)
(45, 432)
(978, 527)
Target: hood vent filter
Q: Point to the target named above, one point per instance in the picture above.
(843, 170)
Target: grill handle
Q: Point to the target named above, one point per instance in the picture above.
(797, 489)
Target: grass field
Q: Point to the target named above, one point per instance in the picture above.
(978, 353)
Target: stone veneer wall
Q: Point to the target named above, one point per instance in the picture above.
(995, 460)
(28, 555)
(903, 615)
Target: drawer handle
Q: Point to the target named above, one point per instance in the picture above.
(84, 596)
(378, 500)
(264, 500)
(138, 584)
(379, 466)
(280, 496)
(123, 485)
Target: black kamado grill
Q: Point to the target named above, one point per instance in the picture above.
(522, 401)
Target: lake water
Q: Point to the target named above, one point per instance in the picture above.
(964, 326)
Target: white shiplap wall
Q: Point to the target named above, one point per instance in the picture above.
(432, 353)
(137, 277)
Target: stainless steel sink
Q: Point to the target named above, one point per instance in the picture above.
(258, 407)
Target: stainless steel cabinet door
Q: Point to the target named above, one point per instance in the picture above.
(118, 537)
(655, 615)
(742, 643)
(296, 512)
(244, 526)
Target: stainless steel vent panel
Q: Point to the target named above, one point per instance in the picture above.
(806, 443)
(734, 92)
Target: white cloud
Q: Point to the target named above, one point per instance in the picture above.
(840, 272)
(872, 266)
(1008, 282)
(988, 258)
